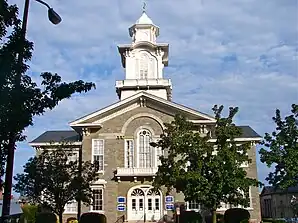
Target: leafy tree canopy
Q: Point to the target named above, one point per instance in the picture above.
(281, 150)
(206, 172)
(52, 180)
(20, 97)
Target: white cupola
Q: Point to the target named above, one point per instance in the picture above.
(144, 30)
(144, 60)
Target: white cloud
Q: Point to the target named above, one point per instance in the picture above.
(241, 53)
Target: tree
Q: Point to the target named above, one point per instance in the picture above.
(52, 180)
(206, 172)
(282, 150)
(21, 98)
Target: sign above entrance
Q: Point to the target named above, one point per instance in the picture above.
(169, 199)
(121, 200)
(121, 207)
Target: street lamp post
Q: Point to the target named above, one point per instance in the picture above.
(55, 19)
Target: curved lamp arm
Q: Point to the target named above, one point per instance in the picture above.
(53, 16)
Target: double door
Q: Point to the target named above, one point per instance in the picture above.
(149, 207)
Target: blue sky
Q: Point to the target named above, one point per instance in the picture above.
(233, 52)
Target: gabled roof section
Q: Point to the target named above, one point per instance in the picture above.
(248, 132)
(57, 136)
(267, 190)
(73, 136)
(136, 97)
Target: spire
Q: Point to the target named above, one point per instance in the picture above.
(144, 19)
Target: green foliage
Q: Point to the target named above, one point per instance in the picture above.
(46, 218)
(219, 218)
(51, 180)
(191, 166)
(29, 213)
(190, 217)
(72, 220)
(93, 218)
(20, 97)
(236, 215)
(282, 150)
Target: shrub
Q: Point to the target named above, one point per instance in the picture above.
(236, 215)
(46, 217)
(29, 213)
(72, 220)
(190, 217)
(219, 218)
(93, 218)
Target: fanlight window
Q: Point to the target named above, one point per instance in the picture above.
(152, 192)
(137, 193)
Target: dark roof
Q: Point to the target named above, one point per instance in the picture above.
(248, 132)
(57, 136)
(73, 136)
(272, 190)
(15, 208)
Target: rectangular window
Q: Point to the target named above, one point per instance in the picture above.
(157, 204)
(97, 199)
(193, 206)
(98, 153)
(149, 204)
(133, 204)
(71, 207)
(129, 153)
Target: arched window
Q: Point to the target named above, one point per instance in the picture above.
(145, 150)
(144, 66)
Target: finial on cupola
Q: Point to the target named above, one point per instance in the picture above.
(144, 6)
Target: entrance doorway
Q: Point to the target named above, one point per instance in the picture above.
(143, 201)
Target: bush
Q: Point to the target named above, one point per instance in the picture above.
(72, 220)
(219, 218)
(29, 213)
(46, 217)
(190, 217)
(236, 215)
(93, 218)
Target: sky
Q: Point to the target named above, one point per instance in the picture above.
(233, 52)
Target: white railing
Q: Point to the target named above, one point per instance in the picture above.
(135, 171)
(143, 82)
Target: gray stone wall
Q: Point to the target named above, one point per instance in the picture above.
(114, 156)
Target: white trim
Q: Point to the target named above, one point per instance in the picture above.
(103, 155)
(87, 124)
(117, 113)
(241, 139)
(135, 96)
(99, 183)
(33, 144)
(202, 121)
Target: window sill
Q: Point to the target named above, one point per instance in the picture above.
(224, 209)
(100, 212)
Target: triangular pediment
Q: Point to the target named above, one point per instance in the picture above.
(139, 100)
